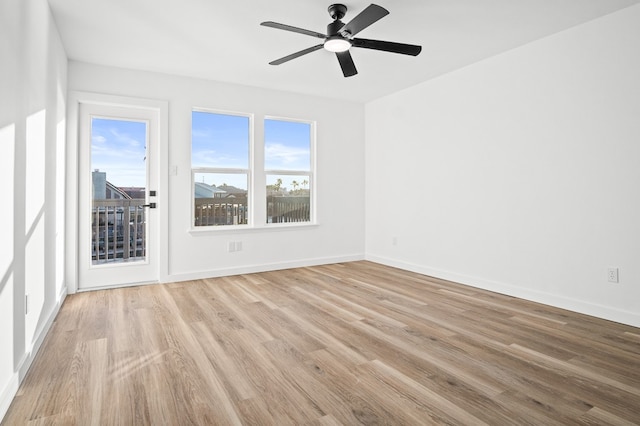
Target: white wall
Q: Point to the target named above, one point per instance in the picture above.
(519, 174)
(339, 234)
(32, 114)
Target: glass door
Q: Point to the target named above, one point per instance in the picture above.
(117, 196)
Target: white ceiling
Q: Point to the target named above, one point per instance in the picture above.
(223, 41)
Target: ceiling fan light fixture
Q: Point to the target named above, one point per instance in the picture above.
(337, 44)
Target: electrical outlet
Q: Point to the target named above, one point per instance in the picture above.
(394, 240)
(233, 246)
(612, 275)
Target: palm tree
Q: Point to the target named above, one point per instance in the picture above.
(305, 183)
(275, 187)
(295, 185)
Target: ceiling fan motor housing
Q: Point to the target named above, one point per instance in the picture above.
(337, 11)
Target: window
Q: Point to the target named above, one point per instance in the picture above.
(223, 174)
(220, 146)
(288, 169)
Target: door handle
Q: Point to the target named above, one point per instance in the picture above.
(150, 205)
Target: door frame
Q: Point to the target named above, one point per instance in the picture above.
(73, 205)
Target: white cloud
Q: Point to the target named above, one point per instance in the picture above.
(204, 157)
(125, 138)
(286, 155)
(200, 133)
(212, 158)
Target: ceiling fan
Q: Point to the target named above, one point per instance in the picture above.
(340, 37)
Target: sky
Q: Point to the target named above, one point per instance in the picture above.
(118, 147)
(220, 140)
(287, 145)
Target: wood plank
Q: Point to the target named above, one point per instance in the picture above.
(350, 343)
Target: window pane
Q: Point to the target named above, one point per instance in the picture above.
(288, 198)
(219, 140)
(119, 149)
(119, 181)
(220, 199)
(287, 145)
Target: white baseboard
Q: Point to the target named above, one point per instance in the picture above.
(250, 269)
(25, 364)
(562, 302)
(10, 390)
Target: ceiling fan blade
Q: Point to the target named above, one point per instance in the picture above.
(292, 29)
(296, 55)
(387, 46)
(346, 63)
(365, 18)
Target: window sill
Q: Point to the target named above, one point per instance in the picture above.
(239, 229)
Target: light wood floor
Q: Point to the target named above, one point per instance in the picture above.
(338, 344)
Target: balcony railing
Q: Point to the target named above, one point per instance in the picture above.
(288, 209)
(221, 211)
(118, 231)
(235, 211)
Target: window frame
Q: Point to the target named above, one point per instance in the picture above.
(311, 172)
(256, 175)
(224, 170)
